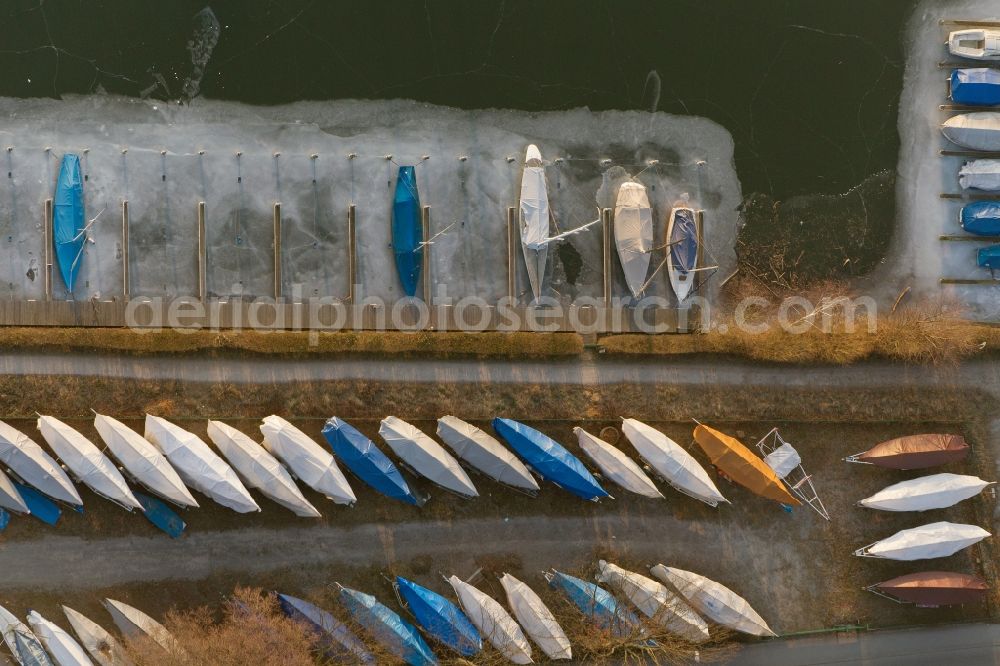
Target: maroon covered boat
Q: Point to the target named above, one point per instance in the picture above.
(931, 589)
(914, 452)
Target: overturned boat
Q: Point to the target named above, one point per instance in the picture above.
(602, 607)
(534, 219)
(979, 130)
(493, 621)
(981, 218)
(21, 641)
(714, 600)
(682, 249)
(980, 175)
(616, 466)
(439, 617)
(741, 465)
(39, 505)
(674, 465)
(64, 650)
(367, 461)
(397, 635)
(133, 624)
(925, 542)
(633, 227)
(936, 491)
(485, 453)
(536, 619)
(10, 497)
(550, 459)
(932, 589)
(337, 642)
(96, 640)
(69, 223)
(426, 457)
(407, 230)
(27, 459)
(978, 86)
(914, 452)
(306, 459)
(975, 43)
(199, 466)
(86, 462)
(143, 461)
(259, 469)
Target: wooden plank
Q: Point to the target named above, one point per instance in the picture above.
(126, 268)
(511, 252)
(47, 247)
(955, 64)
(277, 249)
(968, 281)
(965, 107)
(970, 23)
(352, 250)
(606, 249)
(425, 223)
(202, 255)
(972, 239)
(970, 197)
(979, 154)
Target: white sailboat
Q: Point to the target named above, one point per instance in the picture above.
(714, 600)
(30, 462)
(975, 43)
(634, 234)
(426, 457)
(308, 461)
(534, 219)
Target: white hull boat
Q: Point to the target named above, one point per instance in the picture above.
(10, 497)
(634, 234)
(308, 461)
(534, 219)
(976, 131)
(714, 600)
(493, 622)
(96, 640)
(64, 650)
(975, 44)
(536, 619)
(426, 457)
(935, 491)
(133, 623)
(980, 175)
(485, 453)
(925, 542)
(617, 466)
(27, 459)
(19, 639)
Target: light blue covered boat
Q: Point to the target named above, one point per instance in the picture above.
(161, 516)
(597, 603)
(550, 459)
(981, 218)
(989, 258)
(440, 618)
(68, 220)
(407, 230)
(338, 642)
(367, 461)
(399, 636)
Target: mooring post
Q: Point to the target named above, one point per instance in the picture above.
(126, 274)
(352, 250)
(202, 255)
(47, 254)
(277, 250)
(511, 252)
(608, 278)
(425, 219)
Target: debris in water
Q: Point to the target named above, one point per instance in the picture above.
(201, 45)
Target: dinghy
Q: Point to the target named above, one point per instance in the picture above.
(307, 460)
(439, 617)
(634, 234)
(485, 453)
(161, 516)
(493, 622)
(21, 642)
(978, 86)
(914, 452)
(654, 601)
(937, 491)
(397, 635)
(64, 650)
(981, 218)
(598, 604)
(534, 219)
(976, 131)
(199, 466)
(426, 457)
(142, 461)
(10, 498)
(742, 466)
(133, 624)
(975, 43)
(98, 642)
(932, 589)
(259, 469)
(550, 459)
(39, 506)
(682, 254)
(68, 221)
(617, 466)
(925, 542)
(536, 619)
(989, 258)
(339, 644)
(674, 465)
(980, 175)
(86, 462)
(367, 461)
(714, 600)
(407, 230)
(27, 459)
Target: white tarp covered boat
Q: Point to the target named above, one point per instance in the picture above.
(86, 462)
(15, 632)
(935, 491)
(714, 600)
(925, 542)
(10, 498)
(259, 469)
(143, 461)
(977, 131)
(655, 601)
(534, 219)
(634, 234)
(975, 43)
(980, 175)
(536, 619)
(27, 459)
(199, 466)
(308, 461)
(616, 466)
(96, 640)
(425, 456)
(493, 622)
(485, 453)
(64, 650)
(133, 623)
(675, 465)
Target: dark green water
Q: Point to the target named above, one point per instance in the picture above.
(808, 88)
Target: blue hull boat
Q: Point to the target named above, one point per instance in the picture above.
(161, 516)
(977, 86)
(981, 218)
(550, 459)
(367, 461)
(4, 519)
(989, 257)
(440, 618)
(597, 603)
(41, 507)
(68, 221)
(399, 636)
(339, 644)
(407, 230)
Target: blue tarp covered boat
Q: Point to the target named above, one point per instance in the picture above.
(597, 603)
(440, 618)
(682, 260)
(981, 218)
(400, 637)
(41, 507)
(161, 515)
(977, 86)
(407, 230)
(366, 461)
(339, 644)
(550, 459)
(4, 519)
(68, 220)
(989, 257)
